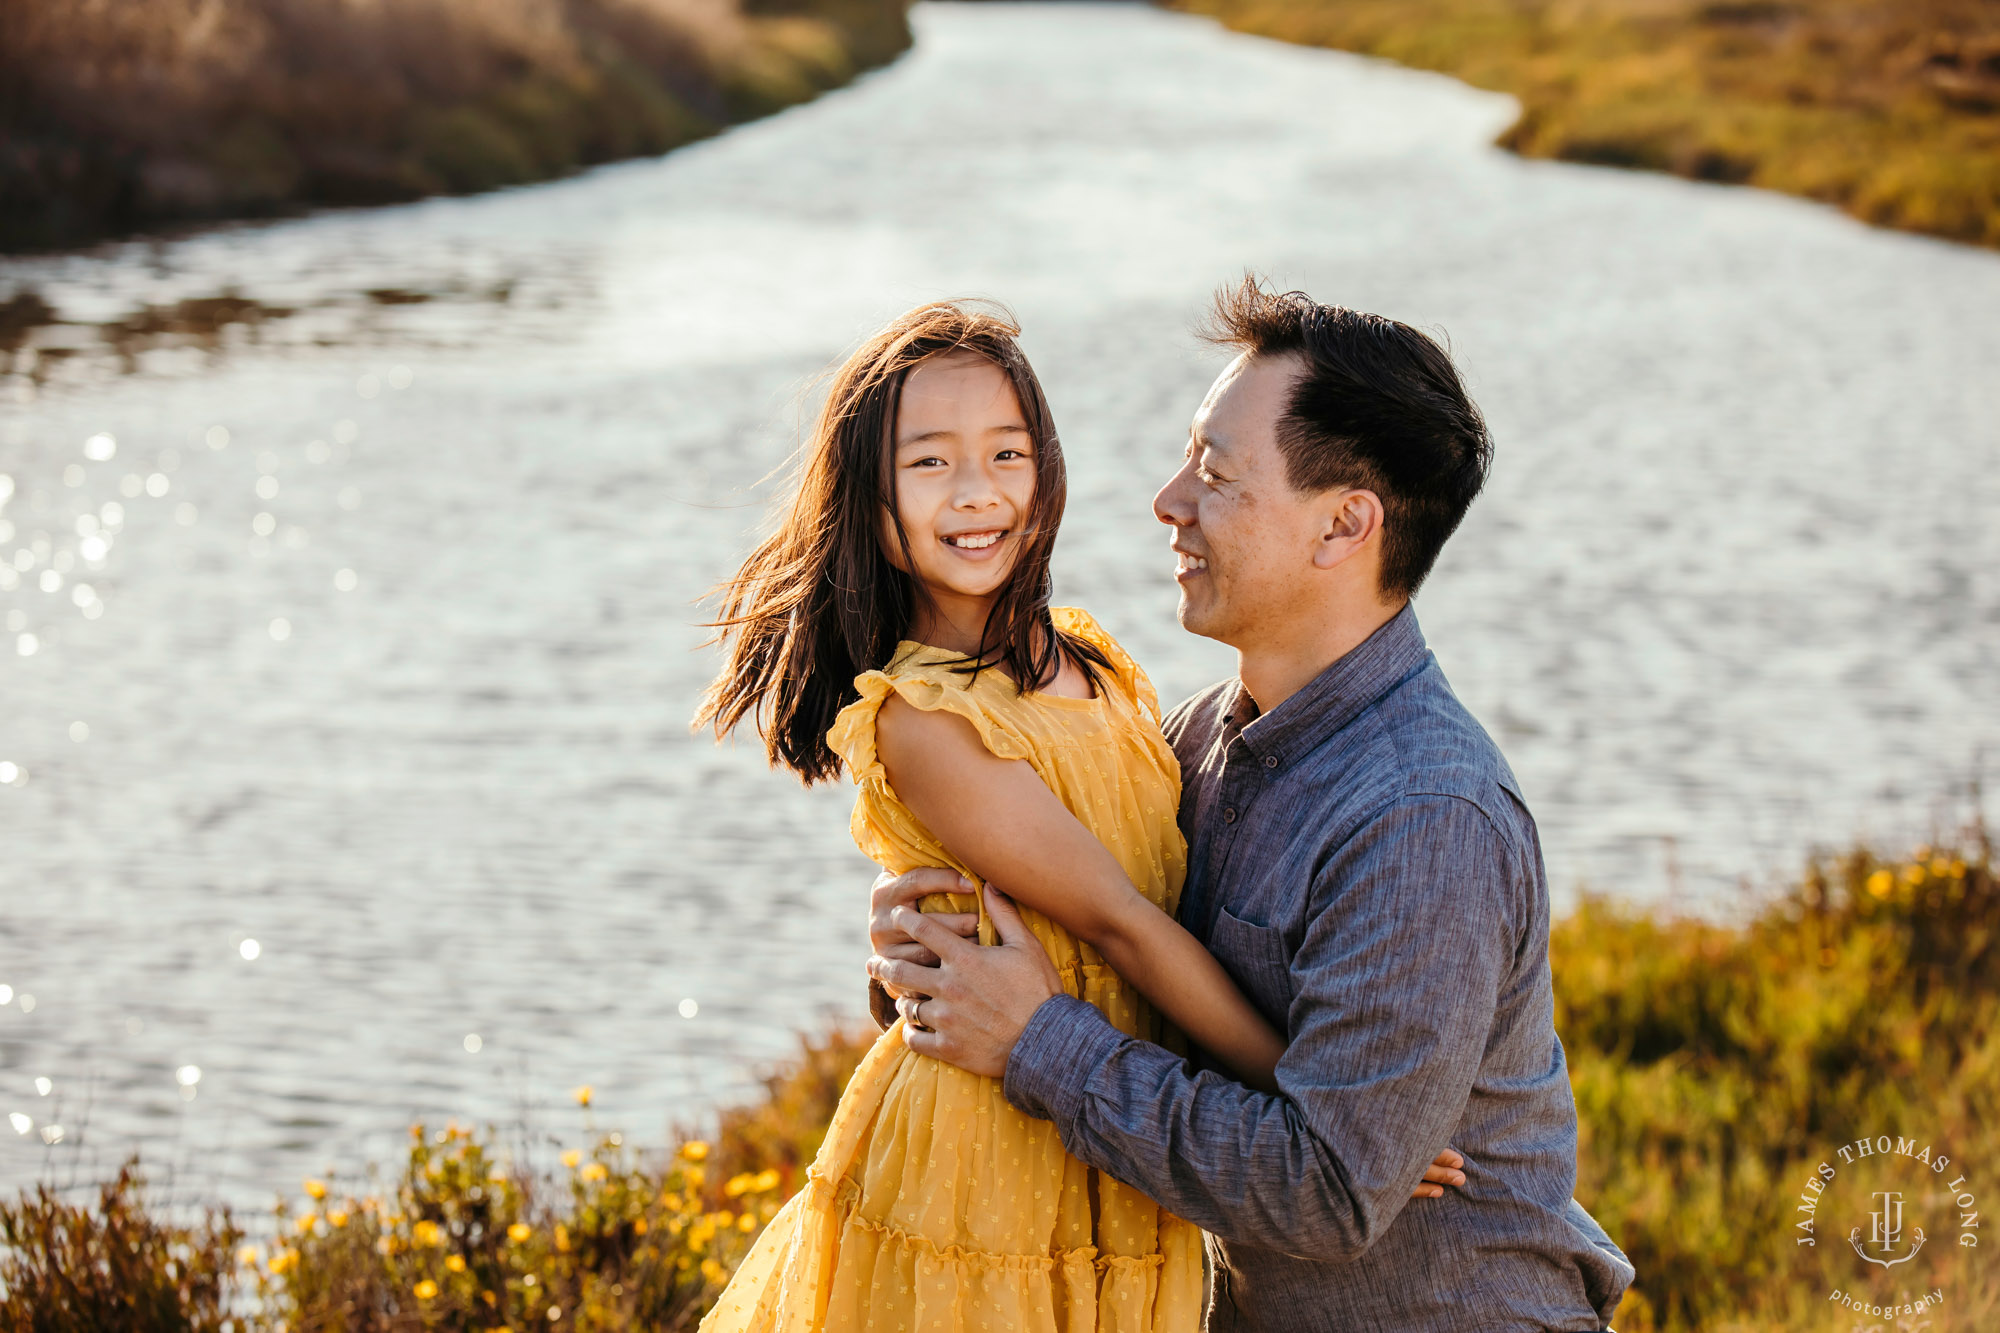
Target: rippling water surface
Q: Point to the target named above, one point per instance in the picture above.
(1732, 592)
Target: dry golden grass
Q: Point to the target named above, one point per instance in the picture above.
(119, 114)
(1887, 108)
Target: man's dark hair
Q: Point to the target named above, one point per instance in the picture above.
(1377, 406)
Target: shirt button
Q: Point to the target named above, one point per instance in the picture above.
(1229, 815)
(1270, 761)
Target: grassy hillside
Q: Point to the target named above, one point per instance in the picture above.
(1888, 108)
(1714, 1066)
(118, 115)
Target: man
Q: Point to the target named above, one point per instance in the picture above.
(1360, 860)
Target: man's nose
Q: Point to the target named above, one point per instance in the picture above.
(1171, 505)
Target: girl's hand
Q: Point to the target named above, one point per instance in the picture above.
(1443, 1170)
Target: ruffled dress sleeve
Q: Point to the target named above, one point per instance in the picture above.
(1075, 620)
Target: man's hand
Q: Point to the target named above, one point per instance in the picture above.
(979, 1000)
(1443, 1170)
(889, 940)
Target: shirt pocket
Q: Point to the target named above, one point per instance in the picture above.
(1259, 961)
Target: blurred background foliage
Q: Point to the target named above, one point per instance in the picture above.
(1888, 108)
(118, 114)
(1715, 1066)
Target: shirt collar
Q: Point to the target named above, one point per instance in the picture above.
(1336, 696)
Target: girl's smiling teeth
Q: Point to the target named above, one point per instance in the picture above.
(975, 541)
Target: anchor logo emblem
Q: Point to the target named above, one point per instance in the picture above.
(1887, 1231)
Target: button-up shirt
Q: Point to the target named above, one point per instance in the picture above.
(1362, 863)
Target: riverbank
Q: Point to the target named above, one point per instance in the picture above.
(1889, 109)
(120, 118)
(1715, 1068)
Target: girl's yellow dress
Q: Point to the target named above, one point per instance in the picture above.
(934, 1206)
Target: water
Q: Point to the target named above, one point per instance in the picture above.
(1732, 593)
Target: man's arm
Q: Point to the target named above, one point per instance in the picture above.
(1397, 980)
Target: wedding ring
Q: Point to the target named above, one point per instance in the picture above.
(917, 1015)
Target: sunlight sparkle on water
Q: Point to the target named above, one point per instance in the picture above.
(52, 1134)
(79, 732)
(473, 1043)
(156, 484)
(689, 1008)
(44, 1086)
(72, 475)
(344, 580)
(6, 995)
(26, 645)
(217, 437)
(263, 525)
(188, 1075)
(281, 629)
(21, 1123)
(250, 949)
(267, 488)
(100, 448)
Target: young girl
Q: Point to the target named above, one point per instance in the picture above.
(898, 624)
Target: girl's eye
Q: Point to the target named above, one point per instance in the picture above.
(927, 462)
(1011, 453)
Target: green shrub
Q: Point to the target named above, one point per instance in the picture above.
(83, 1268)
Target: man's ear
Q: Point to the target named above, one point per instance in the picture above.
(1351, 519)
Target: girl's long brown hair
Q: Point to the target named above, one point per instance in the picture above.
(819, 602)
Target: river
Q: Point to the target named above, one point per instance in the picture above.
(384, 666)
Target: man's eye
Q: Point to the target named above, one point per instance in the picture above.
(1207, 478)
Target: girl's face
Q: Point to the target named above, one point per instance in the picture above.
(964, 470)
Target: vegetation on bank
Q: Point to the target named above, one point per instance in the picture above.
(115, 117)
(1888, 108)
(1715, 1067)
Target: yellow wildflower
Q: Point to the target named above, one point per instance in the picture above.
(594, 1171)
(428, 1233)
(519, 1232)
(583, 1095)
(562, 1237)
(693, 1176)
(738, 1184)
(695, 1150)
(639, 1226)
(426, 1289)
(316, 1188)
(455, 1263)
(247, 1255)
(1880, 883)
(713, 1271)
(571, 1158)
(767, 1179)
(337, 1218)
(284, 1261)
(746, 1223)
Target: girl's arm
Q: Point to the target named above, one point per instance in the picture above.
(999, 818)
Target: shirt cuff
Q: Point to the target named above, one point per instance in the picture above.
(1063, 1043)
